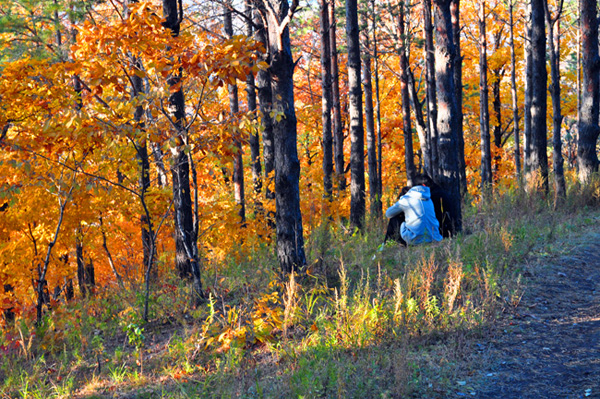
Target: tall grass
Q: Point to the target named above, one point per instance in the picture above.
(357, 322)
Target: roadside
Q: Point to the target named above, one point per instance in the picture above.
(548, 346)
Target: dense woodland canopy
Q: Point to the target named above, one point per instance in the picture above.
(146, 139)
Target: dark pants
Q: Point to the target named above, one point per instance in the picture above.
(393, 229)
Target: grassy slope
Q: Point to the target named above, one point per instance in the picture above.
(360, 323)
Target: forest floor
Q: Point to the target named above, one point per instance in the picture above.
(548, 345)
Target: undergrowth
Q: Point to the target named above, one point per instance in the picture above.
(357, 322)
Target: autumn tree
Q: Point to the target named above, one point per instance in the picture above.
(355, 111)
(372, 158)
(186, 233)
(513, 90)
(432, 102)
(253, 138)
(326, 98)
(538, 156)
(458, 87)
(290, 239)
(338, 132)
(445, 51)
(232, 88)
(404, 71)
(484, 115)
(557, 118)
(587, 159)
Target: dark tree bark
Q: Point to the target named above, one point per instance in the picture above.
(527, 103)
(446, 119)
(265, 100)
(539, 157)
(290, 239)
(587, 159)
(355, 110)
(515, 105)
(484, 115)
(186, 234)
(421, 126)
(253, 139)
(234, 107)
(560, 190)
(375, 201)
(499, 134)
(432, 103)
(458, 86)
(326, 99)
(407, 129)
(144, 165)
(85, 271)
(377, 105)
(338, 132)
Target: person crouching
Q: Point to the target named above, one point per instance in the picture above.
(420, 224)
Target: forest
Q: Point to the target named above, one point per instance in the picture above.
(193, 192)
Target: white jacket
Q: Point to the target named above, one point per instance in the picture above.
(420, 223)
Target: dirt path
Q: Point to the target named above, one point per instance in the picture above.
(549, 345)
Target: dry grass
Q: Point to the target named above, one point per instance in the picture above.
(358, 323)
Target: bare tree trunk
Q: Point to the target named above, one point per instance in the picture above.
(419, 121)
(375, 201)
(186, 246)
(458, 86)
(357, 156)
(41, 285)
(539, 157)
(515, 105)
(408, 142)
(338, 133)
(527, 103)
(432, 103)
(290, 239)
(557, 158)
(253, 139)
(484, 115)
(587, 159)
(327, 99)
(265, 100)
(377, 107)
(85, 271)
(445, 51)
(234, 107)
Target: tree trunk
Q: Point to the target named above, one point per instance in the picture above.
(445, 51)
(484, 115)
(326, 99)
(587, 159)
(186, 246)
(234, 107)
(265, 100)
(355, 110)
(338, 132)
(458, 87)
(375, 201)
(407, 129)
(527, 103)
(144, 165)
(290, 239)
(432, 103)
(560, 190)
(515, 105)
(85, 271)
(419, 121)
(539, 157)
(377, 108)
(253, 140)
